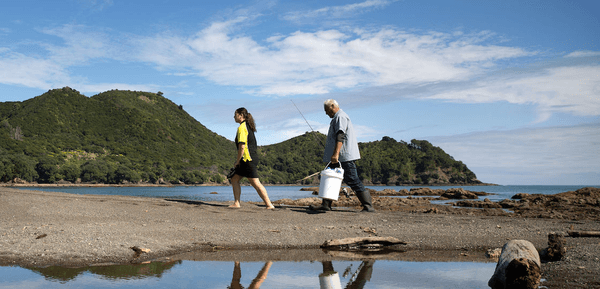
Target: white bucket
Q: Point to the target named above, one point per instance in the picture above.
(331, 182)
(330, 281)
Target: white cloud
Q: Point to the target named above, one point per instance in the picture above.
(322, 61)
(574, 90)
(81, 44)
(19, 69)
(336, 11)
(547, 154)
(583, 54)
(96, 5)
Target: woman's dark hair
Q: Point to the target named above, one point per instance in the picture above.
(248, 117)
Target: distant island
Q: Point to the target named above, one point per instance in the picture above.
(135, 138)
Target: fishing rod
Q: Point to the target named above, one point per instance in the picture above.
(344, 189)
(314, 134)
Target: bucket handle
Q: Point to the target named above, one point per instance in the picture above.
(340, 165)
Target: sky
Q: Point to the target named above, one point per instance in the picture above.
(510, 88)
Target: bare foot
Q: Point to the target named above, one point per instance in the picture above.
(235, 206)
(271, 208)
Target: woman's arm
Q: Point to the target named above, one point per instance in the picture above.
(240, 153)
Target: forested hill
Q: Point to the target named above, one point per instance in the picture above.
(132, 137)
(386, 162)
(111, 137)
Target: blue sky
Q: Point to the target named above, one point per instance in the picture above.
(511, 89)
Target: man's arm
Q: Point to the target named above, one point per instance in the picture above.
(340, 137)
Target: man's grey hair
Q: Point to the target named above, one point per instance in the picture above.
(329, 102)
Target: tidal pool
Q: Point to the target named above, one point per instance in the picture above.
(264, 274)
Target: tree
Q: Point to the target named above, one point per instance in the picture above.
(95, 171)
(24, 167)
(48, 170)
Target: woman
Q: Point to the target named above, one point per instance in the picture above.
(246, 160)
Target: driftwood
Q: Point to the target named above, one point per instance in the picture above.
(362, 254)
(518, 267)
(556, 248)
(362, 242)
(584, 234)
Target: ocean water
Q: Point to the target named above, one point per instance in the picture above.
(224, 193)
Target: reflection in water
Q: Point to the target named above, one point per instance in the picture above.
(336, 274)
(260, 277)
(126, 272)
(330, 279)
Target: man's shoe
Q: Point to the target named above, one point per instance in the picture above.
(325, 206)
(368, 209)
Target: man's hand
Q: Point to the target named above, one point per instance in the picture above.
(334, 159)
(333, 165)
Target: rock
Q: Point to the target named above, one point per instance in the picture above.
(138, 251)
(458, 193)
(19, 181)
(387, 192)
(494, 254)
(520, 196)
(509, 204)
(425, 192)
(478, 204)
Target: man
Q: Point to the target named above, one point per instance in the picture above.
(342, 148)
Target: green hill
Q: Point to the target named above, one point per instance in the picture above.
(132, 137)
(384, 162)
(112, 137)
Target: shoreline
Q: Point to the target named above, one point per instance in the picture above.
(16, 185)
(39, 229)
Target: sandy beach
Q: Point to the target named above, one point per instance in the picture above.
(46, 228)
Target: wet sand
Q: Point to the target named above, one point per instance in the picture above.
(47, 228)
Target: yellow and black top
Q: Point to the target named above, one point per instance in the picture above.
(246, 136)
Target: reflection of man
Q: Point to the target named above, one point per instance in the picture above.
(364, 274)
(330, 279)
(342, 148)
(260, 277)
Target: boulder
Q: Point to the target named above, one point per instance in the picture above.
(458, 193)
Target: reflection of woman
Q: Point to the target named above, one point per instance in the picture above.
(246, 160)
(260, 277)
